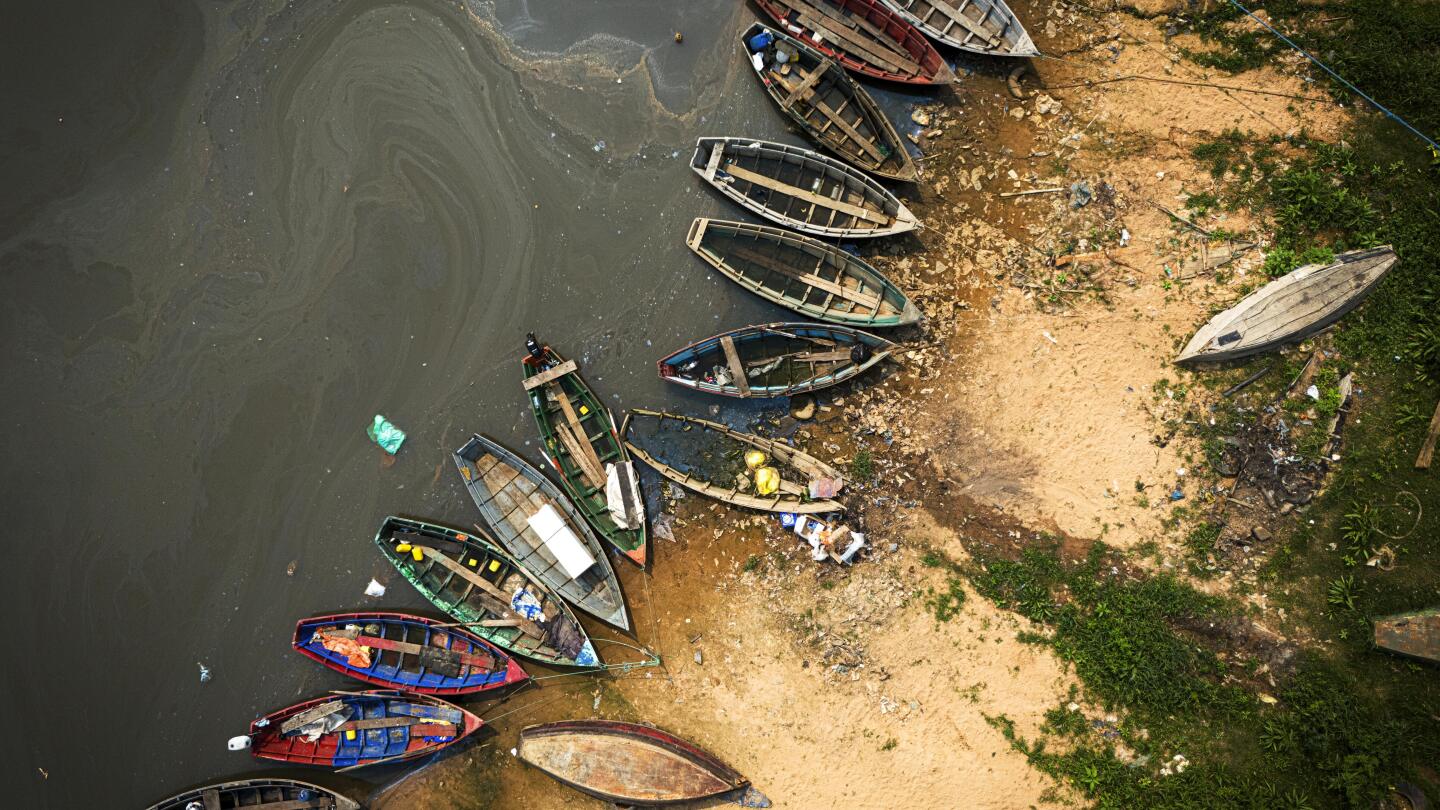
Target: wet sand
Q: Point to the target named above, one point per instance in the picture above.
(231, 236)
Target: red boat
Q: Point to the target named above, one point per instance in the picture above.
(865, 36)
(354, 729)
(408, 653)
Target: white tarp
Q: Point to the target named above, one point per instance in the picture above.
(572, 555)
(622, 495)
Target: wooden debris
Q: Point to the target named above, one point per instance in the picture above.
(1427, 450)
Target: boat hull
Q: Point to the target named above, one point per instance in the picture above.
(406, 670)
(358, 747)
(774, 360)
(242, 793)
(866, 36)
(626, 763)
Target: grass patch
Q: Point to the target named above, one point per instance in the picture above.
(947, 604)
(862, 466)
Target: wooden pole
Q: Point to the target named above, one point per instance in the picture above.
(1427, 450)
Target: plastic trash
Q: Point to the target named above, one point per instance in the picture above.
(385, 434)
(524, 603)
(1177, 495)
(1080, 194)
(753, 459)
(238, 743)
(760, 40)
(374, 589)
(1313, 392)
(787, 519)
(204, 672)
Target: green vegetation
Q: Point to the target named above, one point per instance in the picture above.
(946, 605)
(862, 466)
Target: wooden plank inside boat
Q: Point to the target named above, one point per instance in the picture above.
(770, 263)
(550, 375)
(732, 358)
(808, 196)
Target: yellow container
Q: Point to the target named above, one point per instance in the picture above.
(494, 566)
(754, 459)
(402, 547)
(350, 734)
(767, 480)
(416, 554)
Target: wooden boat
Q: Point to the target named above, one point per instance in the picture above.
(410, 653)
(791, 497)
(1291, 307)
(1414, 634)
(865, 36)
(626, 763)
(801, 189)
(579, 440)
(980, 26)
(829, 106)
(355, 729)
(469, 578)
(775, 360)
(261, 794)
(534, 520)
(810, 277)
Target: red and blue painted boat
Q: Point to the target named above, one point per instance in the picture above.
(409, 653)
(866, 36)
(353, 729)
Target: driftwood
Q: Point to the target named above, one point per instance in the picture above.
(1427, 450)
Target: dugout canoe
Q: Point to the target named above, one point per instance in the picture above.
(806, 275)
(979, 26)
(1290, 308)
(409, 653)
(471, 579)
(259, 794)
(866, 36)
(826, 103)
(797, 464)
(578, 438)
(801, 189)
(534, 521)
(1414, 634)
(356, 729)
(626, 763)
(774, 360)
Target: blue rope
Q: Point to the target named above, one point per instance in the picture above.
(1337, 76)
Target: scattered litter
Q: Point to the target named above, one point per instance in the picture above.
(204, 672)
(290, 569)
(1124, 237)
(1080, 194)
(1177, 495)
(374, 589)
(664, 526)
(1049, 337)
(1313, 392)
(699, 659)
(920, 117)
(385, 434)
(837, 543)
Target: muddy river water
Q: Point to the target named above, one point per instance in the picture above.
(230, 234)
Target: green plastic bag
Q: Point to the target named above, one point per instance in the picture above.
(386, 435)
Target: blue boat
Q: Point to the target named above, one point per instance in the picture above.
(775, 360)
(411, 653)
(351, 730)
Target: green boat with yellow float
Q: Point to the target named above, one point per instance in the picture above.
(579, 440)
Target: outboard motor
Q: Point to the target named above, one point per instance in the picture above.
(533, 347)
(859, 353)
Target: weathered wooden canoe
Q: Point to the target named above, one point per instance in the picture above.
(791, 497)
(775, 360)
(410, 653)
(1414, 634)
(468, 577)
(534, 520)
(981, 26)
(259, 794)
(811, 277)
(865, 36)
(578, 439)
(827, 104)
(626, 763)
(801, 189)
(1291, 307)
(354, 729)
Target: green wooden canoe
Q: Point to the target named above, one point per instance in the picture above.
(471, 579)
(817, 280)
(578, 438)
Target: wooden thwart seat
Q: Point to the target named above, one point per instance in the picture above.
(808, 196)
(770, 263)
(732, 358)
(550, 374)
